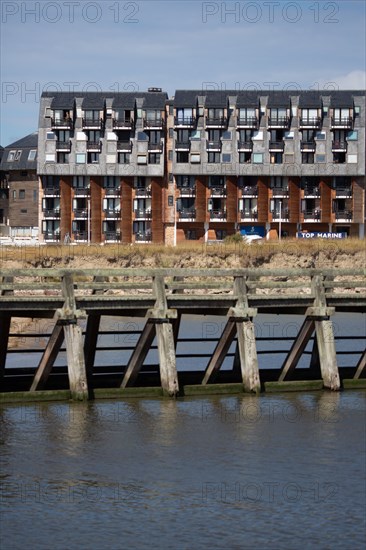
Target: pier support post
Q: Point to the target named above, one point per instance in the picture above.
(4, 340)
(167, 362)
(248, 355)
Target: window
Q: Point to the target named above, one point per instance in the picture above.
(50, 157)
(171, 133)
(257, 158)
(93, 158)
(14, 194)
(18, 154)
(22, 193)
(170, 154)
(182, 156)
(111, 182)
(247, 114)
(245, 157)
(226, 157)
(276, 158)
(23, 211)
(92, 115)
(352, 135)
(50, 135)
(352, 159)
(154, 158)
(35, 195)
(63, 158)
(123, 158)
(190, 234)
(80, 158)
(307, 158)
(226, 135)
(185, 182)
(320, 158)
(195, 135)
(11, 156)
(80, 182)
(195, 158)
(320, 135)
(142, 136)
(32, 155)
(141, 159)
(184, 115)
(213, 157)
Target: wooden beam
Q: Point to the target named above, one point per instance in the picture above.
(314, 366)
(75, 362)
(5, 321)
(248, 356)
(361, 366)
(327, 354)
(220, 352)
(167, 362)
(297, 349)
(48, 358)
(90, 346)
(139, 354)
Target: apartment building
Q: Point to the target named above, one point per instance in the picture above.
(139, 167)
(19, 188)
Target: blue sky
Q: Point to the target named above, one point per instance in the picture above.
(131, 45)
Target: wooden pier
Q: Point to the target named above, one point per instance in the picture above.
(73, 298)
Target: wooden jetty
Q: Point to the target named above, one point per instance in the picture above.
(72, 298)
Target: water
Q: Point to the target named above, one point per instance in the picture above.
(275, 472)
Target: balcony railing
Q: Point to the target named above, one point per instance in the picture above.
(248, 122)
(93, 146)
(313, 191)
(112, 236)
(218, 214)
(122, 123)
(310, 122)
(187, 214)
(63, 146)
(124, 146)
(312, 215)
(344, 215)
(339, 145)
(51, 236)
(112, 191)
(81, 191)
(308, 146)
(61, 123)
(343, 191)
(92, 123)
(51, 191)
(187, 189)
(245, 145)
(276, 146)
(50, 213)
(285, 214)
(80, 235)
(185, 121)
(279, 191)
(248, 215)
(213, 145)
(251, 191)
(144, 213)
(218, 190)
(182, 145)
(153, 123)
(143, 236)
(80, 213)
(155, 146)
(280, 122)
(341, 122)
(219, 122)
(112, 212)
(143, 191)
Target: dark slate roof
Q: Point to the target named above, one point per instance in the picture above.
(310, 99)
(216, 99)
(247, 98)
(186, 98)
(278, 99)
(96, 100)
(25, 145)
(341, 99)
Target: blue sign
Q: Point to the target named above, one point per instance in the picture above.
(259, 230)
(321, 235)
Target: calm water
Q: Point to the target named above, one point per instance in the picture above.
(274, 472)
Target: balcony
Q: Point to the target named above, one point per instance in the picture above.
(187, 190)
(312, 215)
(51, 213)
(343, 192)
(187, 215)
(112, 213)
(122, 124)
(63, 146)
(125, 146)
(143, 214)
(81, 236)
(155, 146)
(251, 215)
(51, 192)
(213, 146)
(280, 191)
(186, 122)
(153, 123)
(143, 191)
(182, 145)
(80, 213)
(219, 215)
(247, 122)
(279, 122)
(81, 191)
(112, 191)
(309, 146)
(95, 124)
(344, 215)
(339, 146)
(143, 236)
(310, 122)
(218, 190)
(341, 122)
(94, 146)
(52, 236)
(61, 123)
(220, 122)
(311, 191)
(245, 146)
(250, 191)
(285, 215)
(276, 146)
(112, 236)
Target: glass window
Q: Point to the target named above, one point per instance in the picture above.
(352, 135)
(22, 193)
(32, 154)
(80, 158)
(257, 158)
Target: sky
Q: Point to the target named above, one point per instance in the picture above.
(112, 45)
